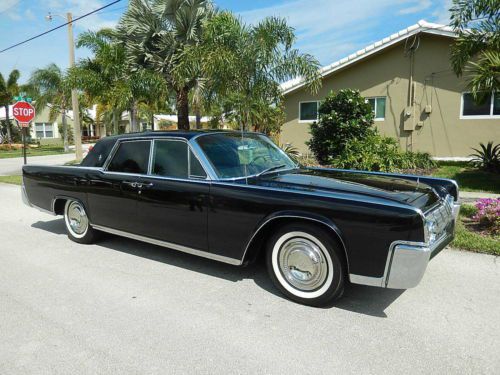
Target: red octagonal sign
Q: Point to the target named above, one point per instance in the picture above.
(23, 112)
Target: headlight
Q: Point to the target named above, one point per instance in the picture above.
(431, 230)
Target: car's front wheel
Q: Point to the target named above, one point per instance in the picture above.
(77, 223)
(304, 263)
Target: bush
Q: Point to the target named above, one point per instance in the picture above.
(488, 214)
(487, 158)
(343, 117)
(378, 153)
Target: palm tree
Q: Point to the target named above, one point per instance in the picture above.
(8, 89)
(155, 34)
(51, 88)
(246, 64)
(476, 51)
(107, 78)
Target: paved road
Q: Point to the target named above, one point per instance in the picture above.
(12, 166)
(131, 308)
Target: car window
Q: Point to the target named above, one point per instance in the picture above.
(170, 158)
(196, 170)
(131, 157)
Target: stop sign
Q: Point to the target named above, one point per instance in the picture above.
(23, 112)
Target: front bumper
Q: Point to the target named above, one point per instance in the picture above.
(408, 261)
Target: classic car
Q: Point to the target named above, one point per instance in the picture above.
(236, 197)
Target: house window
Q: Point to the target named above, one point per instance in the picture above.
(378, 107)
(44, 130)
(308, 111)
(489, 107)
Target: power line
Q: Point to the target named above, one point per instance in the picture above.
(60, 26)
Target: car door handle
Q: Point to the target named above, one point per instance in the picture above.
(145, 185)
(131, 184)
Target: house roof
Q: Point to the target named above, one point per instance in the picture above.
(420, 27)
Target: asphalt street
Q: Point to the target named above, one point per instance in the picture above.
(125, 307)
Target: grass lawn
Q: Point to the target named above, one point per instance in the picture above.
(17, 180)
(469, 178)
(472, 240)
(39, 151)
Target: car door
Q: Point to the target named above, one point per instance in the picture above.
(173, 199)
(113, 193)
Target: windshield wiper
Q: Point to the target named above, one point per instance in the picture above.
(270, 169)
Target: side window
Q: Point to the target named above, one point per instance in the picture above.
(196, 170)
(378, 107)
(131, 157)
(170, 159)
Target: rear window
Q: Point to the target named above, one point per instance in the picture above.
(98, 155)
(131, 157)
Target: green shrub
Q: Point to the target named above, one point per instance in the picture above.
(343, 117)
(378, 153)
(487, 158)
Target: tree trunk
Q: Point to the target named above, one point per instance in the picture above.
(65, 130)
(183, 109)
(115, 122)
(7, 124)
(198, 119)
(152, 121)
(133, 118)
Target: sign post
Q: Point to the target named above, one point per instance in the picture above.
(23, 112)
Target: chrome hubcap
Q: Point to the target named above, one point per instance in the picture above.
(77, 218)
(303, 264)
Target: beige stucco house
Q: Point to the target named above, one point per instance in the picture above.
(414, 93)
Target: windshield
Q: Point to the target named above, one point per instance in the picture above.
(234, 155)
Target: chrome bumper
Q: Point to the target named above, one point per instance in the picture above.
(407, 261)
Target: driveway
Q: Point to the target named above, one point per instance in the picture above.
(122, 306)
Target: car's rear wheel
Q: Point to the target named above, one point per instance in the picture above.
(304, 263)
(77, 223)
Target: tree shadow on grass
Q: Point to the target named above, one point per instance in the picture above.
(360, 299)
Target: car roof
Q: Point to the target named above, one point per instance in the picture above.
(186, 134)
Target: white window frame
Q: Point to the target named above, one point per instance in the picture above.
(45, 125)
(491, 116)
(317, 111)
(375, 108)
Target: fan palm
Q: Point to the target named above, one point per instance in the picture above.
(51, 88)
(107, 78)
(8, 89)
(476, 51)
(156, 33)
(246, 64)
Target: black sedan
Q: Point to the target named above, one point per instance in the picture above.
(235, 197)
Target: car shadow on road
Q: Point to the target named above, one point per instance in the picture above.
(361, 299)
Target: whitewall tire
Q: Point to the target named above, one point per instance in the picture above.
(77, 223)
(304, 263)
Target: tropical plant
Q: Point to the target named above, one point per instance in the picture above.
(107, 78)
(155, 34)
(343, 116)
(8, 89)
(292, 151)
(245, 64)
(50, 88)
(487, 157)
(476, 51)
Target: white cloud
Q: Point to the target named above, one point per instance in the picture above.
(418, 7)
(79, 7)
(442, 13)
(7, 4)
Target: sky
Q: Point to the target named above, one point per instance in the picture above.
(327, 29)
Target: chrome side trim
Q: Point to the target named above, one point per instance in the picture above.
(169, 245)
(366, 280)
(335, 229)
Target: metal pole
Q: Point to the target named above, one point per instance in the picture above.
(74, 95)
(24, 142)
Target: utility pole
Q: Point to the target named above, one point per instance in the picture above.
(74, 95)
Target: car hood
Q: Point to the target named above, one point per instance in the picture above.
(394, 189)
